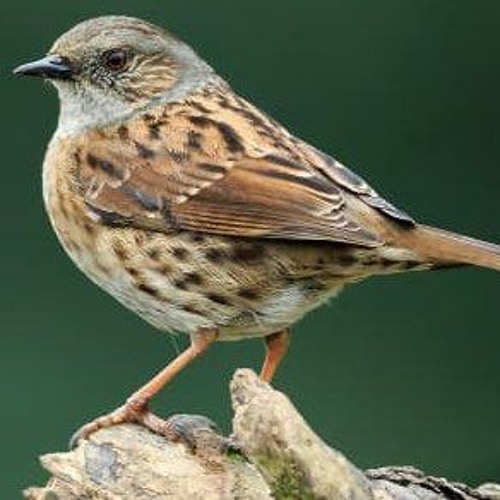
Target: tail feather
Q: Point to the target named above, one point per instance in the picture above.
(447, 248)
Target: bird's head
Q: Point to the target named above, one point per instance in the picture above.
(108, 67)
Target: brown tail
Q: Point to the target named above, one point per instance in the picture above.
(447, 248)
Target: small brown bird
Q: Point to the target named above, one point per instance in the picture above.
(199, 212)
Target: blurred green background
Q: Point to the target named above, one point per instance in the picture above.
(399, 370)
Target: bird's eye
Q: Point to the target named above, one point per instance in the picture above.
(116, 59)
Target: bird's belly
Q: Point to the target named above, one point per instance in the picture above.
(183, 282)
(169, 303)
(279, 311)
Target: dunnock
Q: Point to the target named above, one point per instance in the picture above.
(198, 211)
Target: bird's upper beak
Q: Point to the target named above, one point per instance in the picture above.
(52, 67)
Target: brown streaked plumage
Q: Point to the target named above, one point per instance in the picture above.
(199, 212)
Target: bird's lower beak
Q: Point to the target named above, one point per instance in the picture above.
(52, 67)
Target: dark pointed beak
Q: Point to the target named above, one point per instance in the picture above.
(52, 67)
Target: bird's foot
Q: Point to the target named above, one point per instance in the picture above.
(133, 411)
(195, 431)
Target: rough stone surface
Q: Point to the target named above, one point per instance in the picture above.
(280, 457)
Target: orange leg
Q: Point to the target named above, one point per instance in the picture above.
(135, 408)
(276, 348)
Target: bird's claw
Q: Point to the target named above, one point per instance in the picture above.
(195, 431)
(128, 413)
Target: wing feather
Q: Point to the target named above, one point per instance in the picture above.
(236, 192)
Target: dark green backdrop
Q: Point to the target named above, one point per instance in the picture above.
(401, 370)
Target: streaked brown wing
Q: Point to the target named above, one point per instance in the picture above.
(346, 178)
(268, 196)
